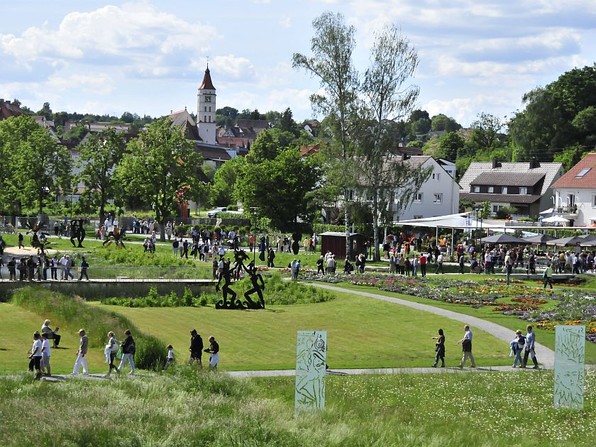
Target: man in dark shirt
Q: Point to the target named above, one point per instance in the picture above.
(196, 348)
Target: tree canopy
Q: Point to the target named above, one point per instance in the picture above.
(160, 167)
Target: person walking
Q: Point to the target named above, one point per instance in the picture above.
(213, 351)
(84, 267)
(529, 348)
(169, 357)
(548, 277)
(35, 355)
(196, 348)
(110, 352)
(440, 349)
(439, 264)
(45, 355)
(128, 352)
(517, 347)
(81, 360)
(466, 344)
(423, 261)
(12, 269)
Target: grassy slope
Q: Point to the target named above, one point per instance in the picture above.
(186, 408)
(362, 333)
(18, 326)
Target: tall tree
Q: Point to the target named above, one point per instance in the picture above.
(547, 124)
(98, 158)
(387, 98)
(36, 166)
(161, 166)
(279, 188)
(331, 63)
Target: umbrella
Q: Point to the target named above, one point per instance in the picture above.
(571, 240)
(556, 220)
(539, 239)
(548, 211)
(503, 239)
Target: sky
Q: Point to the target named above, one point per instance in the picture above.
(149, 56)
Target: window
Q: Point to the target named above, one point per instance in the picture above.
(491, 189)
(418, 197)
(570, 199)
(438, 198)
(593, 201)
(476, 188)
(583, 172)
(418, 216)
(523, 190)
(436, 176)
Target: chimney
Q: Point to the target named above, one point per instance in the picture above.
(534, 163)
(496, 164)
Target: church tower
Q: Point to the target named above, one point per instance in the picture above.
(206, 110)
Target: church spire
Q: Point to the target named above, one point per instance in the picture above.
(207, 84)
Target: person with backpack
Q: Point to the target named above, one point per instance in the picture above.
(128, 352)
(517, 347)
(110, 353)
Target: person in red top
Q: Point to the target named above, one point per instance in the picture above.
(423, 264)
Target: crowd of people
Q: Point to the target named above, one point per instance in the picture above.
(44, 268)
(40, 353)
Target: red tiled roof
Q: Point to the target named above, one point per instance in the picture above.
(587, 181)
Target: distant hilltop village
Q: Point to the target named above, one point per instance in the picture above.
(217, 144)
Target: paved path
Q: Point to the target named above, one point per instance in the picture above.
(545, 355)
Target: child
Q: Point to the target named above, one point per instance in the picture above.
(45, 354)
(35, 355)
(170, 357)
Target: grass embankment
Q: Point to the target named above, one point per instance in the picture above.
(184, 407)
(31, 306)
(362, 333)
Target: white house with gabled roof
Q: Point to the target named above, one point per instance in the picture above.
(438, 196)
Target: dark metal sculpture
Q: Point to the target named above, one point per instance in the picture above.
(229, 297)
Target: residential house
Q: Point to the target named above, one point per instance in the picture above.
(525, 186)
(8, 109)
(438, 196)
(575, 193)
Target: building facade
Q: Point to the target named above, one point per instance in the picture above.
(575, 193)
(523, 186)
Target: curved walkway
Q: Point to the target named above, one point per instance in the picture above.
(546, 356)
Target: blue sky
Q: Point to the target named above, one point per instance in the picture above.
(148, 57)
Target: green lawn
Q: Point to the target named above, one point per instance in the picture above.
(362, 333)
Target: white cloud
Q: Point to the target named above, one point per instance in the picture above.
(132, 34)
